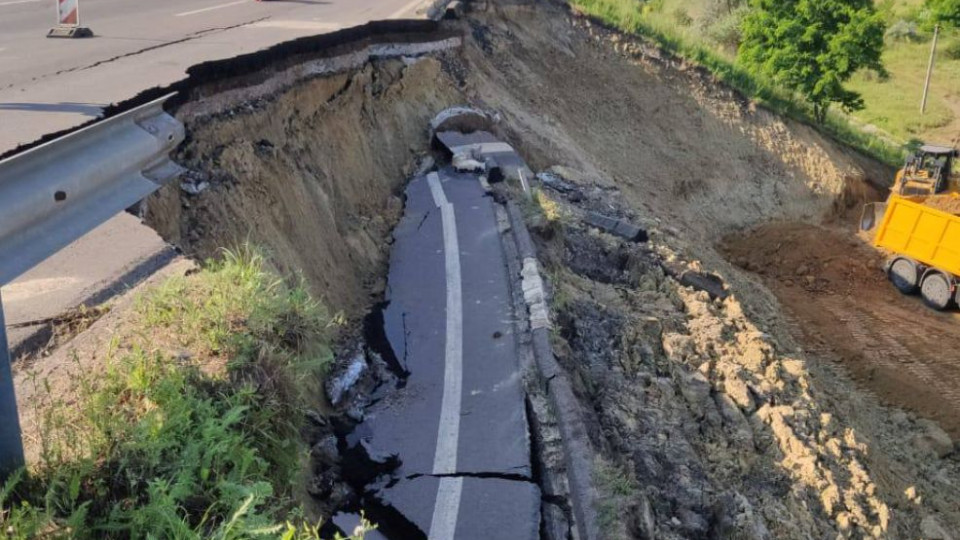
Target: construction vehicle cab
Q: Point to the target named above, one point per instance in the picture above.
(927, 172)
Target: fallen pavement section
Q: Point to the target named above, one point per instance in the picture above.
(458, 425)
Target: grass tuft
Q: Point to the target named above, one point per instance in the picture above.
(192, 429)
(618, 489)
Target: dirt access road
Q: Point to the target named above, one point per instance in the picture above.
(842, 307)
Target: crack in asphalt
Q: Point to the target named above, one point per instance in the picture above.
(483, 475)
(406, 342)
(188, 37)
(424, 219)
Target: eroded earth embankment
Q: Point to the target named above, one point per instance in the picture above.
(713, 417)
(731, 424)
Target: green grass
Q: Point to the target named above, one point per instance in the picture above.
(204, 443)
(617, 488)
(893, 104)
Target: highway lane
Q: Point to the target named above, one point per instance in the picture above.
(121, 27)
(48, 85)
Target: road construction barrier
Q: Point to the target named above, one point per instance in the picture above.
(55, 193)
(68, 20)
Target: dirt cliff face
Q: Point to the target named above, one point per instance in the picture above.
(723, 419)
(312, 174)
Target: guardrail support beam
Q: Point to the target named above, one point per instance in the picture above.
(11, 444)
(55, 193)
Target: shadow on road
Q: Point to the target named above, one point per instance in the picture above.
(89, 109)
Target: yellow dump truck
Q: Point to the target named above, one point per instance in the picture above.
(924, 241)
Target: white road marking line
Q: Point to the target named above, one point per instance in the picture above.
(444, 523)
(211, 8)
(447, 506)
(403, 11)
(14, 2)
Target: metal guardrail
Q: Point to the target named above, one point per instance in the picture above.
(55, 193)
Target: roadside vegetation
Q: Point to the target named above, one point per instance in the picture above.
(866, 59)
(192, 429)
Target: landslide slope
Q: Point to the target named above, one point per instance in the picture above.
(715, 418)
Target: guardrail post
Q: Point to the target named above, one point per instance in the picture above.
(11, 444)
(54, 193)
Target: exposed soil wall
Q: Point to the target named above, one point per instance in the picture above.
(717, 419)
(312, 174)
(717, 416)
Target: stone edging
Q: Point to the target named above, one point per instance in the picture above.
(576, 445)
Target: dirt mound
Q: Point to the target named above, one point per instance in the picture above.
(835, 288)
(817, 260)
(945, 203)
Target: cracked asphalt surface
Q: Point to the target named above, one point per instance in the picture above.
(459, 424)
(49, 85)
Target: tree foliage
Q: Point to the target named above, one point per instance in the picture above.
(945, 11)
(813, 47)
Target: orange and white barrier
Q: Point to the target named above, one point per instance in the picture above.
(68, 20)
(68, 12)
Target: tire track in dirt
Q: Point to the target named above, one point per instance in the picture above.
(843, 309)
(887, 350)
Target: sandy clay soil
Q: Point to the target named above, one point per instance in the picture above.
(843, 308)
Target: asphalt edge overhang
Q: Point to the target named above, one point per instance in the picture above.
(216, 76)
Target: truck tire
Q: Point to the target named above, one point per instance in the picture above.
(904, 275)
(935, 290)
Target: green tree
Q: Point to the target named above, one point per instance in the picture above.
(813, 47)
(945, 11)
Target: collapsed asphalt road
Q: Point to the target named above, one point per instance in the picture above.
(458, 426)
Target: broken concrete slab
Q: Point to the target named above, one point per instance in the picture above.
(484, 146)
(345, 376)
(708, 282)
(617, 227)
(463, 119)
(556, 183)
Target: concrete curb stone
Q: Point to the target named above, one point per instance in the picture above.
(577, 449)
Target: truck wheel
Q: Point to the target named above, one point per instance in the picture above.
(903, 274)
(936, 291)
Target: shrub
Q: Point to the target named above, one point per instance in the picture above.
(944, 11)
(726, 30)
(903, 31)
(652, 6)
(952, 49)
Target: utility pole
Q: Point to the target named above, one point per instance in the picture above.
(926, 85)
(11, 444)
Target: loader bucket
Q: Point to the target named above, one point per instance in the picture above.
(872, 215)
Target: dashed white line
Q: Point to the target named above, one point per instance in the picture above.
(443, 526)
(211, 8)
(14, 2)
(447, 506)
